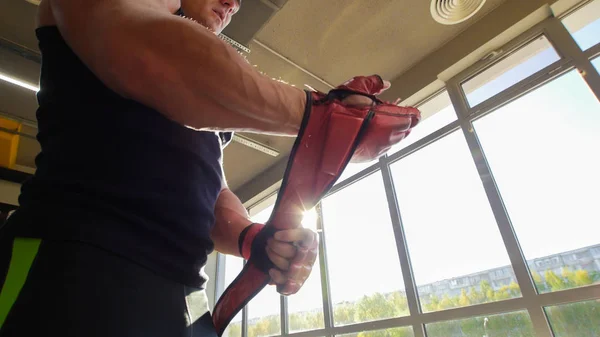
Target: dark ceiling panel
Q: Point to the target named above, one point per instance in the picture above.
(252, 16)
(17, 22)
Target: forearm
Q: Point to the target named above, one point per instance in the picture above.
(181, 69)
(231, 219)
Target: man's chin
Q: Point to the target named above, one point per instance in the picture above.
(214, 27)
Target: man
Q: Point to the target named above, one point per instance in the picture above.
(129, 198)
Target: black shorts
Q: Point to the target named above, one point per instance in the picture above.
(69, 288)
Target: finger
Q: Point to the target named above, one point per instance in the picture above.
(358, 100)
(278, 260)
(284, 249)
(299, 272)
(304, 236)
(386, 86)
(277, 277)
(288, 288)
(306, 256)
(301, 267)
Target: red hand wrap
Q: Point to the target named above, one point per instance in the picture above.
(368, 85)
(330, 136)
(247, 238)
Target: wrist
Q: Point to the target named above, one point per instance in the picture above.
(246, 239)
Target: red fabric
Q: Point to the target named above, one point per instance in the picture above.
(331, 136)
(248, 283)
(371, 85)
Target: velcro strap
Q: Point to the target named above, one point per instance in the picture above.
(247, 237)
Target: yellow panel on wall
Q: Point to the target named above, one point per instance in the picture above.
(9, 142)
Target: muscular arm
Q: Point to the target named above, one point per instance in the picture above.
(231, 219)
(176, 66)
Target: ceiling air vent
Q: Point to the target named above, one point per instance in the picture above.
(451, 12)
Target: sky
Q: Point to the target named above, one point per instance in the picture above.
(543, 151)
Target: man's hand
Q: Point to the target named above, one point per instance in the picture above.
(293, 252)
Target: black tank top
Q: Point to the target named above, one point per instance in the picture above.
(117, 174)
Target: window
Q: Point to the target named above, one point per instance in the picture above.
(548, 179)
(536, 129)
(449, 225)
(233, 266)
(584, 25)
(596, 63)
(575, 319)
(435, 114)
(519, 65)
(365, 277)
(305, 308)
(394, 332)
(510, 324)
(352, 169)
(264, 313)
(264, 310)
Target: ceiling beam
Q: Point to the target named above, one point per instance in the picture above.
(256, 187)
(13, 175)
(20, 50)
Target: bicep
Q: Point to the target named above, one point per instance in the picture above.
(105, 35)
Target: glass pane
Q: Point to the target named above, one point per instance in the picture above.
(233, 266)
(435, 113)
(264, 310)
(234, 329)
(596, 63)
(264, 313)
(393, 332)
(584, 25)
(510, 324)
(263, 216)
(543, 151)
(457, 253)
(576, 319)
(365, 277)
(306, 307)
(519, 65)
(352, 169)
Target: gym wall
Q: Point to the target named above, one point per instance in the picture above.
(9, 192)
